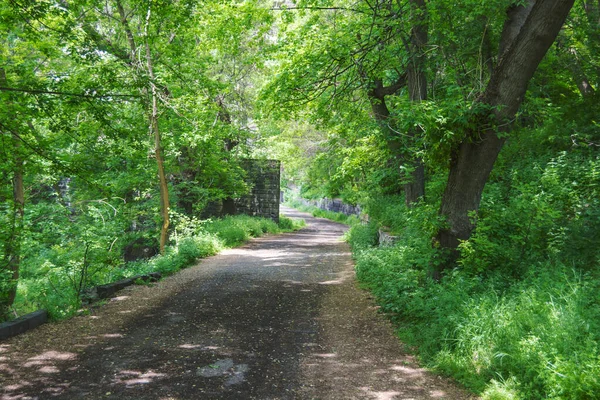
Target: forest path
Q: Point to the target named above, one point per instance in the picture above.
(279, 318)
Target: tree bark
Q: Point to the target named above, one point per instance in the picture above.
(415, 189)
(164, 188)
(132, 61)
(381, 113)
(129, 58)
(516, 15)
(473, 160)
(128, 33)
(19, 212)
(228, 203)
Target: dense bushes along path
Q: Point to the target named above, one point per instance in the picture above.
(280, 317)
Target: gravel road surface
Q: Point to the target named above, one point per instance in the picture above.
(279, 318)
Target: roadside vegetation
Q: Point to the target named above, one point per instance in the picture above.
(59, 288)
(467, 129)
(518, 318)
(515, 320)
(493, 196)
(519, 315)
(319, 213)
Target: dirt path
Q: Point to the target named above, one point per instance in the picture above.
(279, 318)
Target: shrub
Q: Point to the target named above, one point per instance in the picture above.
(269, 226)
(230, 230)
(288, 224)
(519, 318)
(207, 244)
(361, 236)
(63, 273)
(505, 390)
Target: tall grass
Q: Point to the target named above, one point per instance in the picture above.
(56, 289)
(517, 318)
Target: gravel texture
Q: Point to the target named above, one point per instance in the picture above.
(279, 318)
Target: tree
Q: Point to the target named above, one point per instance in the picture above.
(528, 33)
(579, 46)
(362, 50)
(144, 66)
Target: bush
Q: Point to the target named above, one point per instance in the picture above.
(512, 321)
(361, 236)
(506, 390)
(64, 273)
(288, 224)
(231, 230)
(207, 245)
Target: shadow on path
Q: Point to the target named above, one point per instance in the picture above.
(279, 318)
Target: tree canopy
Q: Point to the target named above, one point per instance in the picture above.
(468, 128)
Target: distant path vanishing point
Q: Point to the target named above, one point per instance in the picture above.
(278, 318)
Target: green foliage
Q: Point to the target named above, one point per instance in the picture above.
(505, 390)
(211, 236)
(232, 231)
(362, 236)
(541, 333)
(238, 229)
(518, 317)
(78, 120)
(61, 278)
(555, 219)
(290, 224)
(317, 212)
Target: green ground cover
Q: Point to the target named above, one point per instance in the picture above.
(58, 285)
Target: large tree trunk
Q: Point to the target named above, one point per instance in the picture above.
(471, 163)
(414, 190)
(18, 214)
(228, 203)
(12, 247)
(381, 113)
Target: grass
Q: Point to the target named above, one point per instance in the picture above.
(58, 291)
(319, 213)
(536, 337)
(532, 335)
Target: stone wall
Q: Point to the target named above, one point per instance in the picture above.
(335, 205)
(263, 177)
(263, 199)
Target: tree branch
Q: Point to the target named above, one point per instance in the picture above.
(380, 91)
(319, 9)
(38, 91)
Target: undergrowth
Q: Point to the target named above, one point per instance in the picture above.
(59, 281)
(519, 316)
(319, 213)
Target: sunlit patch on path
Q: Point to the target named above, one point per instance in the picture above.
(278, 318)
